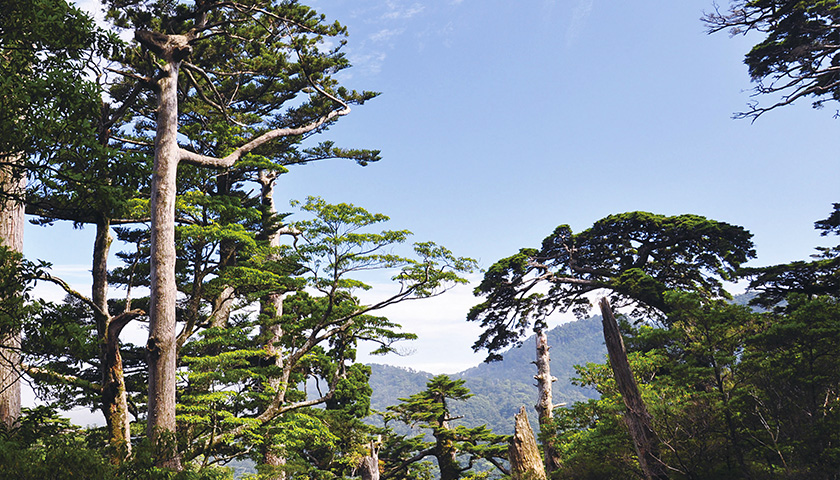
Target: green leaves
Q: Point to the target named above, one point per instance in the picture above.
(337, 244)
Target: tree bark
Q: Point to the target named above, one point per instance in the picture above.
(161, 346)
(525, 460)
(545, 404)
(639, 421)
(170, 51)
(12, 185)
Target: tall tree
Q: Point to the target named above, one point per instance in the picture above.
(269, 49)
(545, 403)
(798, 56)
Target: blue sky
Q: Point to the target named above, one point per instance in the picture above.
(500, 120)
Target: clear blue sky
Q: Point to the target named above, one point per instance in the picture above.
(500, 120)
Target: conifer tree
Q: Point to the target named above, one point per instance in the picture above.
(452, 445)
(270, 56)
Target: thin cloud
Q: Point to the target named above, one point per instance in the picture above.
(386, 34)
(397, 11)
(579, 15)
(366, 64)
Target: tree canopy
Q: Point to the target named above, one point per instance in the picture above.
(451, 445)
(636, 257)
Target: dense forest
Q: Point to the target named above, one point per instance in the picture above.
(165, 132)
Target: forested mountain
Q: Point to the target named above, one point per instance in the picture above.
(500, 388)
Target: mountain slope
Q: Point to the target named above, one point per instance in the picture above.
(501, 388)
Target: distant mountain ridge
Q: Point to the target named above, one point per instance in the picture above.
(501, 388)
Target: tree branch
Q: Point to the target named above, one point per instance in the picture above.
(68, 379)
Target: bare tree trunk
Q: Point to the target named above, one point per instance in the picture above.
(524, 456)
(12, 185)
(271, 309)
(369, 465)
(637, 417)
(161, 346)
(545, 405)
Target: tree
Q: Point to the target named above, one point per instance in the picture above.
(545, 404)
(798, 58)
(789, 409)
(636, 415)
(818, 277)
(271, 50)
(636, 257)
(103, 187)
(430, 409)
(525, 461)
(244, 388)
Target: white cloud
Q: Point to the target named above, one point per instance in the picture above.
(445, 338)
(368, 64)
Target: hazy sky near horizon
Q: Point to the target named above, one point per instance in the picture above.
(500, 120)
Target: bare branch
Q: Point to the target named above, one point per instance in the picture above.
(226, 162)
(66, 287)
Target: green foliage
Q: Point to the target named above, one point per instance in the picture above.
(45, 447)
(732, 393)
(45, 97)
(17, 278)
(245, 383)
(798, 55)
(820, 276)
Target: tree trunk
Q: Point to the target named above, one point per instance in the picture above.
(161, 346)
(525, 461)
(271, 309)
(12, 185)
(447, 459)
(636, 416)
(114, 396)
(545, 405)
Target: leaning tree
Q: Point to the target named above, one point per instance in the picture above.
(636, 258)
